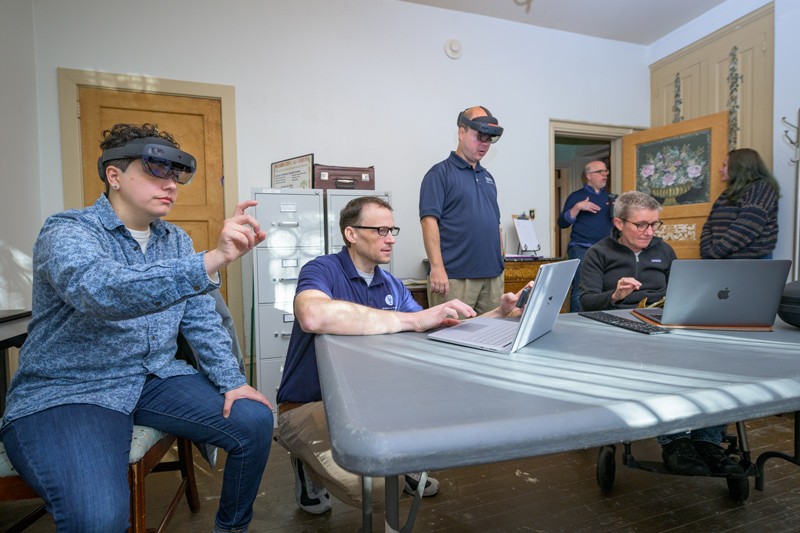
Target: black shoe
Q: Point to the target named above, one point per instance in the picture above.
(412, 482)
(681, 458)
(715, 457)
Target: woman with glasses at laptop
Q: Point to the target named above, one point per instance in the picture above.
(631, 264)
(113, 285)
(621, 271)
(743, 222)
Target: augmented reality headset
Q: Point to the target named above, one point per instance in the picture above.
(159, 158)
(486, 126)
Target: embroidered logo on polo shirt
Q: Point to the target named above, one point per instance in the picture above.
(389, 300)
(489, 180)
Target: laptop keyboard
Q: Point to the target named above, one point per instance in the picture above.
(497, 334)
(622, 322)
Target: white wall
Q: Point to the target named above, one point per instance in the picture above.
(786, 104)
(20, 183)
(356, 82)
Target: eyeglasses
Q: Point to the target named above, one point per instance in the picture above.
(604, 172)
(642, 226)
(383, 231)
(165, 169)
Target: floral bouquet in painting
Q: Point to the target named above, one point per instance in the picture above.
(672, 170)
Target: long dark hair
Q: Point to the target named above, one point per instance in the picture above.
(745, 167)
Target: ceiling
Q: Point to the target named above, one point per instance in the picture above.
(634, 21)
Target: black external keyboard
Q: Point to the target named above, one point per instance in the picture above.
(622, 322)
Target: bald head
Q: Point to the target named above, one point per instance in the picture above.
(477, 111)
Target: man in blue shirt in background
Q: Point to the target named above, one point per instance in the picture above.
(589, 211)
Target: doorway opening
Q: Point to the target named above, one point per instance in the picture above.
(571, 156)
(572, 145)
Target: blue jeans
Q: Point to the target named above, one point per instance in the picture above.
(76, 456)
(713, 435)
(575, 251)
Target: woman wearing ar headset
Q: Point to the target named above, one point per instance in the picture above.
(113, 285)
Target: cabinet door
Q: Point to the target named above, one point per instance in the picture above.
(291, 219)
(277, 270)
(274, 329)
(707, 84)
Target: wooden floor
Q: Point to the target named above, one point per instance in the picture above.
(553, 493)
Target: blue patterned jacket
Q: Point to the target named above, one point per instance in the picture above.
(105, 315)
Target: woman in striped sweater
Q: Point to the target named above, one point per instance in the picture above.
(743, 222)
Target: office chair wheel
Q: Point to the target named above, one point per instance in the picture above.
(738, 488)
(606, 466)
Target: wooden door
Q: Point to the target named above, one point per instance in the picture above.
(197, 125)
(710, 82)
(685, 210)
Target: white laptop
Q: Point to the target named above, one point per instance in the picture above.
(507, 335)
(721, 293)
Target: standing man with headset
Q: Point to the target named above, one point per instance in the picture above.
(589, 211)
(461, 219)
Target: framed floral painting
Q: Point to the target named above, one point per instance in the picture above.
(678, 164)
(675, 170)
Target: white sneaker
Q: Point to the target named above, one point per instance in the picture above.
(412, 482)
(311, 498)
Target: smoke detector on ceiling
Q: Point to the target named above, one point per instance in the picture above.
(452, 48)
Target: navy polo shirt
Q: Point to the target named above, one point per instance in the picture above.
(336, 276)
(464, 201)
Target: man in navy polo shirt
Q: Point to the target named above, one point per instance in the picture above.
(588, 210)
(461, 219)
(348, 294)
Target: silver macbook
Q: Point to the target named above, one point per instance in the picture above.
(721, 293)
(507, 335)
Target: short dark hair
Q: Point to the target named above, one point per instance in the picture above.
(351, 213)
(122, 134)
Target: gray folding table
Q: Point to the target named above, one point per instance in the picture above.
(403, 403)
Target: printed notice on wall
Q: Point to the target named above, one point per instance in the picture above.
(294, 173)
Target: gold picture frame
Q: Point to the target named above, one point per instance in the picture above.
(703, 142)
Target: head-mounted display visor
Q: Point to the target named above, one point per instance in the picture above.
(486, 126)
(159, 158)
